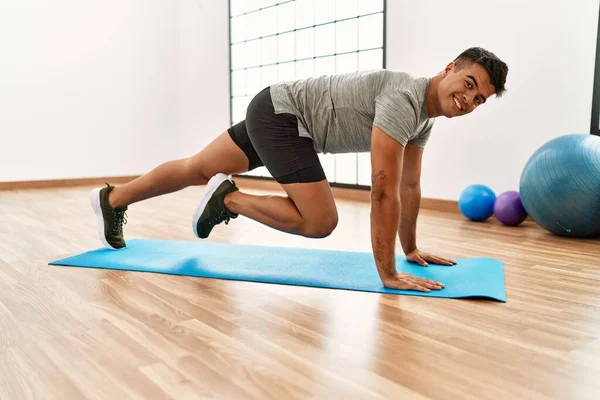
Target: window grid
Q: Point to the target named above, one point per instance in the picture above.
(306, 27)
(304, 59)
(345, 170)
(262, 8)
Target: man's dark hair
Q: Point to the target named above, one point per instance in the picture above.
(496, 68)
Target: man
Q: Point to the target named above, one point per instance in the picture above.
(388, 113)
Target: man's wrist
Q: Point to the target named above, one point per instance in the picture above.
(385, 279)
(407, 231)
(409, 250)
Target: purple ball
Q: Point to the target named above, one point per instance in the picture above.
(508, 208)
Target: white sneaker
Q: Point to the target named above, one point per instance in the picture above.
(211, 211)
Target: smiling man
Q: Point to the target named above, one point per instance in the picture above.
(465, 84)
(387, 113)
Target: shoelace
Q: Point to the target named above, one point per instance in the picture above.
(223, 216)
(120, 219)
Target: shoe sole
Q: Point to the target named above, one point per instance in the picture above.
(95, 202)
(211, 186)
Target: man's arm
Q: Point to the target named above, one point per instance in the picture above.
(410, 197)
(386, 165)
(386, 169)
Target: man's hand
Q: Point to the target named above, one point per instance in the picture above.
(417, 256)
(409, 282)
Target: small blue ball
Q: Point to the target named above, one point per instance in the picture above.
(476, 202)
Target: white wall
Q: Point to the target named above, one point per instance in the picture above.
(88, 88)
(204, 71)
(550, 49)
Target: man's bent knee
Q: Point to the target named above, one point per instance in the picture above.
(319, 229)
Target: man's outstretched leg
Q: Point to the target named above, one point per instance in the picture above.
(110, 203)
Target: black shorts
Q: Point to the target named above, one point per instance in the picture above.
(272, 140)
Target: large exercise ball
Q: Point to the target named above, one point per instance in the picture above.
(560, 186)
(476, 202)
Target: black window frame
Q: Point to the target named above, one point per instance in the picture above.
(595, 118)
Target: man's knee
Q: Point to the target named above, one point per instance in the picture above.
(320, 228)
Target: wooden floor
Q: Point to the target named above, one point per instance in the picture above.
(69, 333)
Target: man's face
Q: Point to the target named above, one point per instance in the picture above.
(463, 89)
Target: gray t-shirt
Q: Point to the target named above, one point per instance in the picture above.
(338, 111)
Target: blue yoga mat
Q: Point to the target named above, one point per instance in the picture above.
(470, 277)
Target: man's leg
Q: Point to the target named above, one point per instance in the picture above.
(221, 155)
(110, 203)
(309, 209)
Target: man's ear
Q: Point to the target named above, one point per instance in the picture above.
(449, 67)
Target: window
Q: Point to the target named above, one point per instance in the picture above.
(273, 41)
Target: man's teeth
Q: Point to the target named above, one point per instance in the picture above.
(457, 103)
